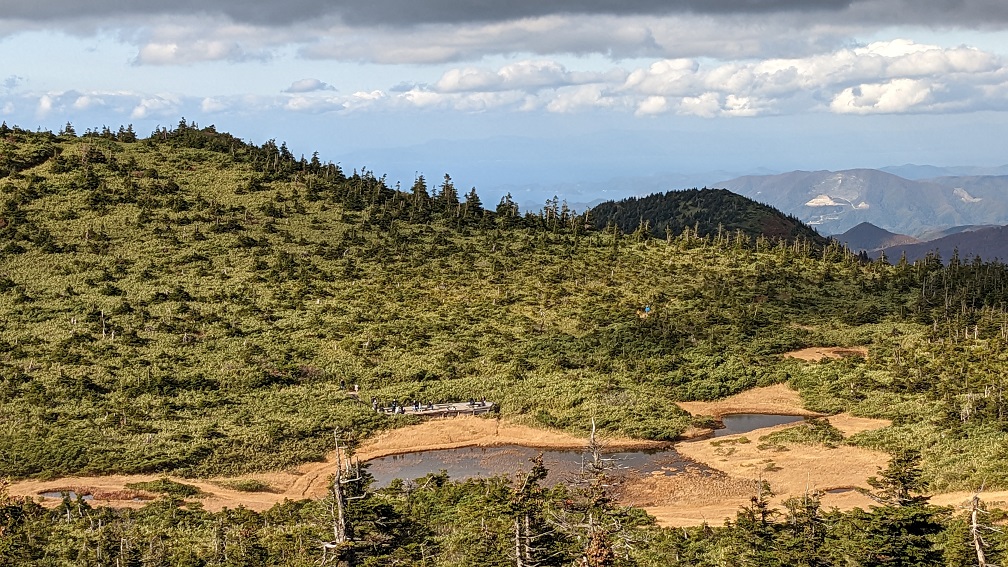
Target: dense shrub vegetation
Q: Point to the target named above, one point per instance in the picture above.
(195, 304)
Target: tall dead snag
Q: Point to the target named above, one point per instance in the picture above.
(976, 527)
(346, 476)
(591, 517)
(532, 538)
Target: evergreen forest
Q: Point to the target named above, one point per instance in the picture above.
(192, 304)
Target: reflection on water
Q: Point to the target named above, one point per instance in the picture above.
(70, 493)
(485, 462)
(746, 422)
(563, 465)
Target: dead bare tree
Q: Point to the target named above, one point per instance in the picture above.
(347, 474)
(977, 528)
(591, 518)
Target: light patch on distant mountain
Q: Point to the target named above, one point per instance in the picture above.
(966, 197)
(823, 201)
(844, 186)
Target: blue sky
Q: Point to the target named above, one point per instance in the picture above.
(532, 96)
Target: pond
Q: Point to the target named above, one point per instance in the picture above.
(485, 462)
(746, 422)
(70, 493)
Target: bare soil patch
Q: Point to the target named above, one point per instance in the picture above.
(775, 400)
(742, 461)
(458, 432)
(815, 354)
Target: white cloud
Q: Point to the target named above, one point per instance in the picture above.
(526, 76)
(156, 106)
(10, 83)
(421, 98)
(468, 79)
(45, 105)
(584, 97)
(87, 102)
(314, 104)
(212, 104)
(741, 106)
(183, 53)
(189, 40)
(706, 105)
(308, 85)
(652, 105)
(536, 74)
(897, 95)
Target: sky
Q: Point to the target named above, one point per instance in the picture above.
(566, 96)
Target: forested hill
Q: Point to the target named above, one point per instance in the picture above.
(707, 211)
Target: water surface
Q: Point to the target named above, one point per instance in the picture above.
(746, 422)
(486, 462)
(563, 465)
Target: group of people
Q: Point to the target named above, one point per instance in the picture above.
(417, 407)
(396, 407)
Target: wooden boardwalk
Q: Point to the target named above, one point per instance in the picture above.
(450, 409)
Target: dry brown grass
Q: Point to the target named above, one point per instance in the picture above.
(777, 400)
(815, 354)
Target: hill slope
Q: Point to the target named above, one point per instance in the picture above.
(193, 303)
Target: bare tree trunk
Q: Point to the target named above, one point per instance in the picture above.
(975, 530)
(519, 558)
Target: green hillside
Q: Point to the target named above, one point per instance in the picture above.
(195, 304)
(190, 302)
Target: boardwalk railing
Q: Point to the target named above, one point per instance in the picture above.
(449, 409)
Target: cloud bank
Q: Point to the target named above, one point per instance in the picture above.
(890, 77)
(440, 31)
(410, 13)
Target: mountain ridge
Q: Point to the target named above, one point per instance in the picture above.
(835, 201)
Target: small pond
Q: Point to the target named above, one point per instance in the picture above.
(485, 462)
(70, 493)
(746, 422)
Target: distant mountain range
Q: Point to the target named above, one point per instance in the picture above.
(986, 242)
(836, 201)
(917, 172)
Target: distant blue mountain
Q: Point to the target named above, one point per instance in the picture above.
(987, 243)
(922, 172)
(836, 201)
